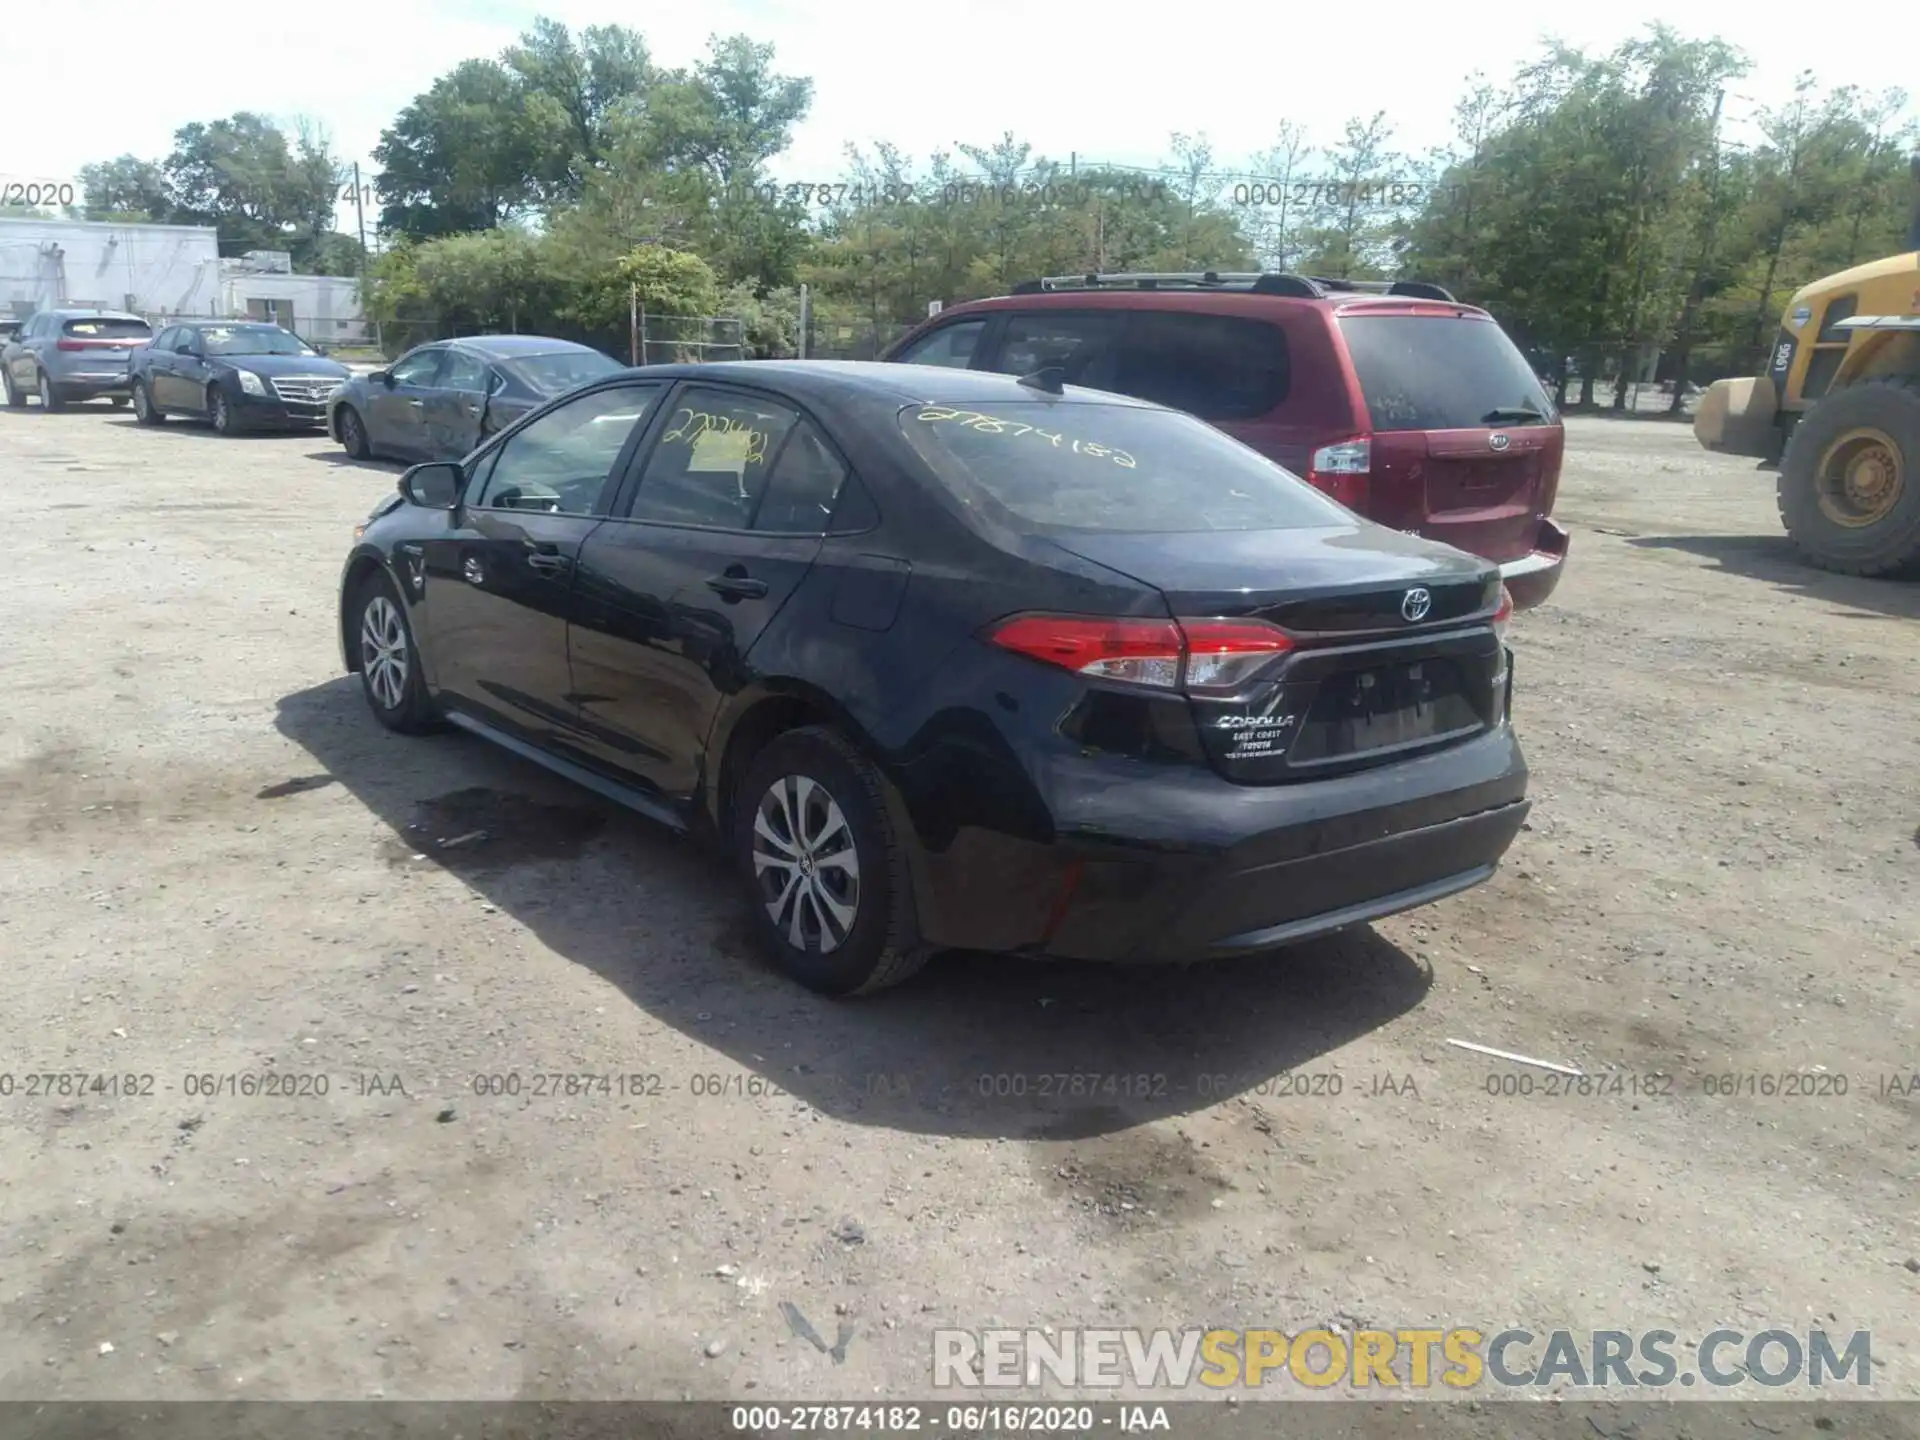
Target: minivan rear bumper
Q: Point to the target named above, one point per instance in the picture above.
(1533, 577)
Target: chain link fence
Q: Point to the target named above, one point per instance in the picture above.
(856, 340)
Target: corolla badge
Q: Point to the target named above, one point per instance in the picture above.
(1415, 604)
(1498, 441)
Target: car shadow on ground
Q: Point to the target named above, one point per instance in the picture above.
(976, 1045)
(187, 427)
(345, 461)
(1774, 559)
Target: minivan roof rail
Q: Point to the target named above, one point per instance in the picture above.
(1265, 284)
(1305, 287)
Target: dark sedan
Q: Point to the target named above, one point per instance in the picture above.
(439, 401)
(237, 374)
(949, 659)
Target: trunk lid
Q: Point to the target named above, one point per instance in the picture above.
(1483, 490)
(1394, 653)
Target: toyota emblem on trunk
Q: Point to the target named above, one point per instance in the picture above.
(1498, 441)
(1416, 603)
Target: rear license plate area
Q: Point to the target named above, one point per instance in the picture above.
(1385, 707)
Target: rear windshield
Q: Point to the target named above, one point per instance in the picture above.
(107, 328)
(1441, 372)
(560, 371)
(1058, 466)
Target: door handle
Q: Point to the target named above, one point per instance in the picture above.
(416, 404)
(736, 584)
(548, 563)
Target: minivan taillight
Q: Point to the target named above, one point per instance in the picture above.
(1207, 655)
(1342, 470)
(1503, 615)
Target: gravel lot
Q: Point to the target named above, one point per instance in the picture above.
(214, 863)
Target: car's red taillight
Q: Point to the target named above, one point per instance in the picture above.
(1342, 470)
(1504, 614)
(1165, 654)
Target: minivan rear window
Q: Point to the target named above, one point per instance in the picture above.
(1091, 467)
(1441, 372)
(108, 328)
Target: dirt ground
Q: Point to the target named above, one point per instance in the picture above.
(213, 863)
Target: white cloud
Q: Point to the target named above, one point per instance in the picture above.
(1109, 83)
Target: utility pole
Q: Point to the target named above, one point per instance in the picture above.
(633, 324)
(806, 319)
(360, 217)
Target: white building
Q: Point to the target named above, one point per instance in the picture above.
(166, 272)
(322, 308)
(144, 268)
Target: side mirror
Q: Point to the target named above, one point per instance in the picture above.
(318, 349)
(382, 377)
(433, 486)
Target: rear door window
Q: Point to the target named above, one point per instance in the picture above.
(1219, 367)
(1083, 343)
(1441, 372)
(709, 466)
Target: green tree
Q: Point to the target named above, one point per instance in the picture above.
(234, 175)
(126, 189)
(1351, 227)
(574, 92)
(466, 155)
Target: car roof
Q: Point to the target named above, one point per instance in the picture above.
(507, 347)
(205, 321)
(878, 380)
(90, 314)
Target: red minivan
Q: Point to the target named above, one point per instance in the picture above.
(1402, 403)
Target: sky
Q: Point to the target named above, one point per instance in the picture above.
(1107, 84)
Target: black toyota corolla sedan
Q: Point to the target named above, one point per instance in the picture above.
(950, 659)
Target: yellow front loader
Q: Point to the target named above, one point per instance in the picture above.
(1839, 408)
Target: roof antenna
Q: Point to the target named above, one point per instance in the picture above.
(1048, 379)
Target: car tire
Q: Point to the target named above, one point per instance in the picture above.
(353, 434)
(220, 412)
(810, 797)
(143, 410)
(1877, 419)
(49, 397)
(390, 674)
(16, 397)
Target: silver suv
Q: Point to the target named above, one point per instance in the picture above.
(63, 355)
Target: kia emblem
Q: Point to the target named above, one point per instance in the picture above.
(1415, 604)
(1498, 441)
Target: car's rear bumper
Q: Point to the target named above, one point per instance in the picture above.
(1534, 576)
(1174, 863)
(90, 387)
